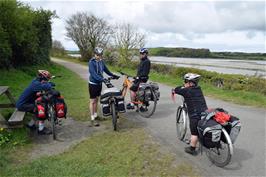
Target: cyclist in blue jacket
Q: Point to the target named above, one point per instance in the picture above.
(26, 101)
(96, 69)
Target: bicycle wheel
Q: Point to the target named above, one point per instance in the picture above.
(53, 121)
(221, 156)
(147, 108)
(181, 122)
(114, 116)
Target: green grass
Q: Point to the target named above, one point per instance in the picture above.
(72, 87)
(129, 152)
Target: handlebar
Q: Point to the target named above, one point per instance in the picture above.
(124, 74)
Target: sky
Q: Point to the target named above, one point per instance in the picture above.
(217, 25)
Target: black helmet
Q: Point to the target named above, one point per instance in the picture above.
(143, 50)
(191, 77)
(98, 51)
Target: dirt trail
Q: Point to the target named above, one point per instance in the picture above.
(71, 132)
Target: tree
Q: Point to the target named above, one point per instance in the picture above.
(88, 31)
(25, 34)
(58, 48)
(126, 39)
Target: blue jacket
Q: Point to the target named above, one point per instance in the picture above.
(29, 94)
(96, 69)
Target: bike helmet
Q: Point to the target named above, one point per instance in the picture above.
(98, 51)
(44, 74)
(191, 77)
(143, 50)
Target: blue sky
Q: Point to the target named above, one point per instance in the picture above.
(217, 25)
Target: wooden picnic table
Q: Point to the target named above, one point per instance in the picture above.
(17, 116)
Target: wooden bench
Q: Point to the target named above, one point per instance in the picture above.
(17, 117)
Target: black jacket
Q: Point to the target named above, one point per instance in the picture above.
(144, 69)
(194, 99)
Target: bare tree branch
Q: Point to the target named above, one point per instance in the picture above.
(127, 38)
(88, 31)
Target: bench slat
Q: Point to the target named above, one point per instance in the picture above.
(16, 117)
(3, 89)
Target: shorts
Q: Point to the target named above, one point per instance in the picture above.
(95, 90)
(135, 85)
(193, 124)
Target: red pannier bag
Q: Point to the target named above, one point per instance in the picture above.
(60, 107)
(40, 108)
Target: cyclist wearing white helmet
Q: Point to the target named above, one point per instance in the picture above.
(142, 75)
(196, 104)
(96, 69)
(26, 101)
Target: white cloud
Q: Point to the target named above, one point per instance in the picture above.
(218, 25)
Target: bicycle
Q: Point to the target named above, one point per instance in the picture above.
(220, 154)
(50, 98)
(147, 96)
(112, 102)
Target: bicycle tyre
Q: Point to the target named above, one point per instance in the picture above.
(181, 123)
(149, 114)
(114, 117)
(229, 148)
(52, 114)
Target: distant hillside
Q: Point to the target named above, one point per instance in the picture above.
(204, 53)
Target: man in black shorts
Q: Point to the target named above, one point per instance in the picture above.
(142, 75)
(196, 104)
(96, 69)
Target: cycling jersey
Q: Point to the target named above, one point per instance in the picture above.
(144, 69)
(194, 100)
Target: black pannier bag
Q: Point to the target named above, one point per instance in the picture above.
(209, 133)
(104, 99)
(155, 88)
(233, 128)
(141, 95)
(120, 104)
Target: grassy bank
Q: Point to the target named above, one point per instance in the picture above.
(204, 53)
(251, 98)
(126, 153)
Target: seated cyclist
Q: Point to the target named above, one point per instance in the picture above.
(26, 101)
(142, 75)
(196, 104)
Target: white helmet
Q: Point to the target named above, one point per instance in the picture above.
(191, 77)
(98, 51)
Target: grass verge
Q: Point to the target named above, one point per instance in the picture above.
(129, 152)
